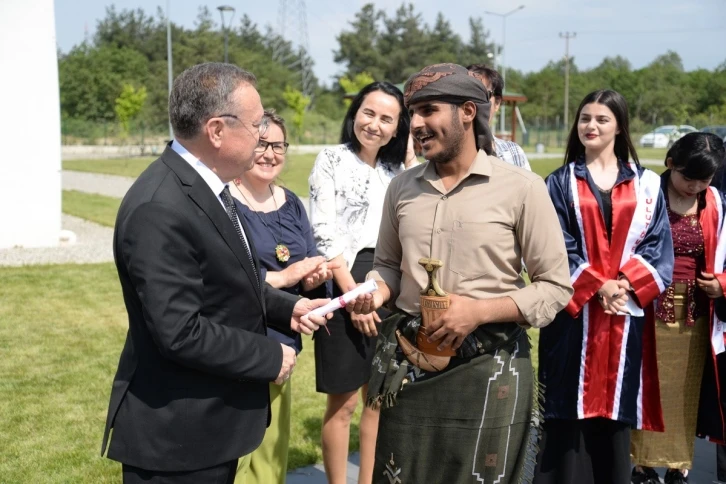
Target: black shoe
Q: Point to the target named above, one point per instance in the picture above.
(648, 476)
(675, 476)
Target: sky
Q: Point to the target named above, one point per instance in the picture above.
(638, 30)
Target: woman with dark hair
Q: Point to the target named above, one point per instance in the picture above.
(276, 220)
(597, 359)
(347, 186)
(684, 312)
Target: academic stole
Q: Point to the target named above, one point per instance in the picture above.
(711, 220)
(636, 200)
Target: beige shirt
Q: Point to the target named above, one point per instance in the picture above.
(482, 229)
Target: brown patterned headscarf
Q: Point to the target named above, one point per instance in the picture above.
(454, 84)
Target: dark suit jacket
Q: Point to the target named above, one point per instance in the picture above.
(191, 390)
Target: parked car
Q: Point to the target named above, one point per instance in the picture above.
(719, 131)
(665, 136)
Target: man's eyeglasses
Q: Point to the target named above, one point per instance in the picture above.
(278, 147)
(262, 127)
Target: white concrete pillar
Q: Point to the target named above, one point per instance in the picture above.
(30, 159)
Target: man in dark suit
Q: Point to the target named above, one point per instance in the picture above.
(191, 392)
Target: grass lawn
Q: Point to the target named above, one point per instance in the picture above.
(88, 206)
(131, 167)
(296, 172)
(62, 328)
(544, 167)
(651, 153)
(61, 332)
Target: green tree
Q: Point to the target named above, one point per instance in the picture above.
(658, 96)
(404, 44)
(545, 92)
(444, 44)
(133, 29)
(358, 48)
(329, 104)
(129, 104)
(478, 49)
(91, 78)
(352, 86)
(298, 103)
(129, 47)
(394, 47)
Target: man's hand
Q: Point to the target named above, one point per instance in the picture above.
(456, 323)
(366, 323)
(613, 295)
(321, 273)
(289, 359)
(304, 324)
(366, 303)
(710, 285)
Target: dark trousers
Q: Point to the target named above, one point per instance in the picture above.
(219, 474)
(721, 463)
(589, 451)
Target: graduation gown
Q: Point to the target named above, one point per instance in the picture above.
(712, 406)
(593, 364)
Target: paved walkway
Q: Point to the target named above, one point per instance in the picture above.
(316, 474)
(91, 243)
(109, 185)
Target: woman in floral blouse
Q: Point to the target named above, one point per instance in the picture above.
(347, 186)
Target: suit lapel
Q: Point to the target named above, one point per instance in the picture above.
(200, 193)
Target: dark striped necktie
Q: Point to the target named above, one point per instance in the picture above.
(226, 197)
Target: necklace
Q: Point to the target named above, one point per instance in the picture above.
(282, 253)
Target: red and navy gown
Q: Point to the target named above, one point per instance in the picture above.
(712, 404)
(593, 364)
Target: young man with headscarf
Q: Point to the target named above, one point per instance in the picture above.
(481, 217)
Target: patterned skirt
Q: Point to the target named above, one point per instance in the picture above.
(682, 352)
(470, 423)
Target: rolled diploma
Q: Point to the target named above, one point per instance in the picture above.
(366, 288)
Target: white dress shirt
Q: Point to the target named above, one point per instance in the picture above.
(211, 178)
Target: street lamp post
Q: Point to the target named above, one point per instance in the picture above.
(495, 59)
(503, 65)
(225, 28)
(567, 36)
(168, 56)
